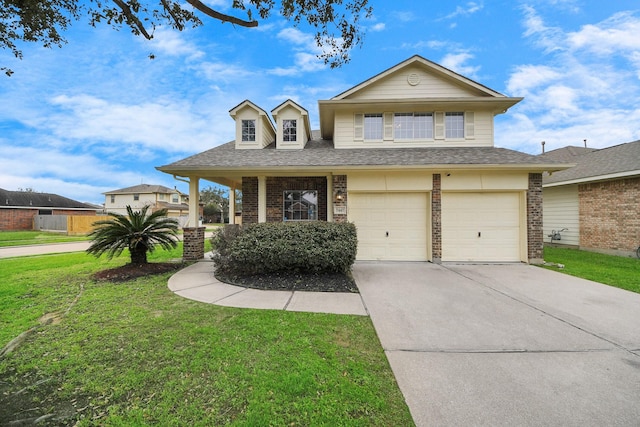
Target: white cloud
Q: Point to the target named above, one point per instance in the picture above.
(306, 56)
(456, 62)
(404, 16)
(163, 124)
(468, 9)
(172, 42)
(380, 26)
(587, 89)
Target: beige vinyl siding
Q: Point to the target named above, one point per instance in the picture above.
(347, 131)
(396, 86)
(560, 209)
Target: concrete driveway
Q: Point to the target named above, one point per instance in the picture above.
(506, 344)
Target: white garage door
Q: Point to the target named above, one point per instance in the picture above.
(481, 227)
(391, 226)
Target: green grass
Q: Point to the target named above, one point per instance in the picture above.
(136, 354)
(22, 238)
(621, 272)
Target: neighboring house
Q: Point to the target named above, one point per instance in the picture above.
(156, 196)
(407, 155)
(597, 201)
(19, 208)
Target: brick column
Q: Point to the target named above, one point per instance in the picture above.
(340, 184)
(193, 243)
(535, 235)
(436, 219)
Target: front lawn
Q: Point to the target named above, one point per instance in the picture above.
(621, 272)
(133, 353)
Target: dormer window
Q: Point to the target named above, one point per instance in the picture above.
(289, 131)
(248, 130)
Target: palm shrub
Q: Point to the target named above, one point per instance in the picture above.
(136, 231)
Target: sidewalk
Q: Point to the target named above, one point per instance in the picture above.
(198, 283)
(49, 248)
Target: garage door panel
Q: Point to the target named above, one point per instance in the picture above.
(402, 215)
(496, 216)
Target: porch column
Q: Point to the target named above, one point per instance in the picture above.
(193, 235)
(194, 202)
(262, 199)
(232, 205)
(329, 198)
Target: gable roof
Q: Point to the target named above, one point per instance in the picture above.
(30, 199)
(470, 96)
(320, 155)
(432, 67)
(618, 161)
(144, 189)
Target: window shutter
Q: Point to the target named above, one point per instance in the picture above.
(469, 125)
(358, 127)
(388, 126)
(438, 125)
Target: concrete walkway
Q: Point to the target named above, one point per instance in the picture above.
(505, 345)
(46, 249)
(197, 282)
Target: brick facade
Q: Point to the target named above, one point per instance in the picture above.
(340, 185)
(610, 215)
(276, 186)
(193, 243)
(249, 200)
(436, 218)
(535, 235)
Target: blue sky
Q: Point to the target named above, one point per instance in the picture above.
(99, 114)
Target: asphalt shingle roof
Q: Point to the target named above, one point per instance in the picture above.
(612, 160)
(322, 153)
(144, 189)
(39, 200)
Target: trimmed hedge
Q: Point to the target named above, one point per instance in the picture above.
(315, 247)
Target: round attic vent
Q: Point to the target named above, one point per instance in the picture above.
(413, 79)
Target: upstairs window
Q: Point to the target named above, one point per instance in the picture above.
(175, 199)
(248, 130)
(289, 131)
(413, 126)
(113, 198)
(136, 197)
(373, 126)
(454, 125)
(300, 205)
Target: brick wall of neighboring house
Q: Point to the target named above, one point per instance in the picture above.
(249, 200)
(436, 218)
(535, 235)
(17, 219)
(610, 215)
(276, 186)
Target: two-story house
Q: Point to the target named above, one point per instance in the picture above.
(156, 196)
(407, 155)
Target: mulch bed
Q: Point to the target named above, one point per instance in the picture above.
(280, 281)
(130, 271)
(292, 281)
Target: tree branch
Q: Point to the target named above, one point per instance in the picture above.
(173, 15)
(220, 16)
(133, 18)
